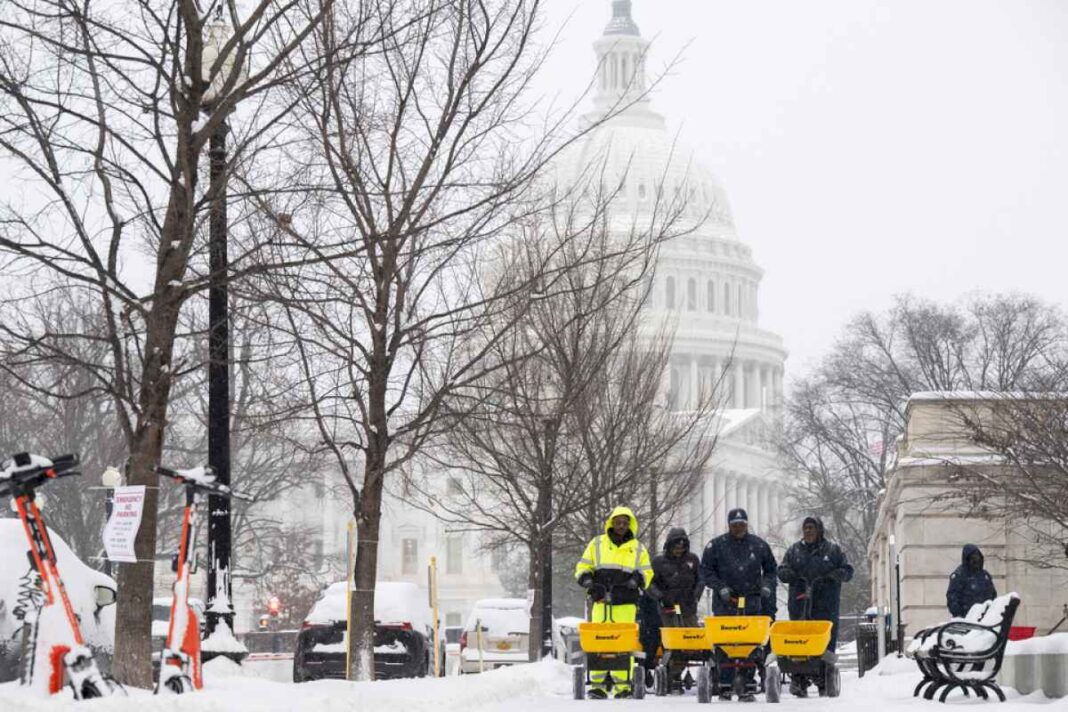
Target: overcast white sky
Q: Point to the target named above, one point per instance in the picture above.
(868, 148)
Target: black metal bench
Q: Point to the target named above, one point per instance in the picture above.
(965, 654)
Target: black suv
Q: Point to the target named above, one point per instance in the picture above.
(402, 635)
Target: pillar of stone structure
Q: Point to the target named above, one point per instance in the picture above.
(695, 384)
(739, 385)
(765, 387)
(720, 494)
(765, 509)
(753, 397)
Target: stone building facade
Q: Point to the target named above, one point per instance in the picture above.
(923, 533)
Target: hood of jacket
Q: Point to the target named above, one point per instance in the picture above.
(967, 551)
(820, 536)
(618, 511)
(674, 535)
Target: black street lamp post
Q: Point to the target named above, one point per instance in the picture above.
(219, 539)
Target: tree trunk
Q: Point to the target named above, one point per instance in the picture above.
(132, 663)
(368, 522)
(534, 584)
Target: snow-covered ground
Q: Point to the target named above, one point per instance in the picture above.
(544, 687)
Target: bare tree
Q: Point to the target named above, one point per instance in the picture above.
(570, 417)
(419, 158)
(843, 420)
(105, 112)
(65, 413)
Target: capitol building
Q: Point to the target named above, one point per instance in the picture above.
(705, 289)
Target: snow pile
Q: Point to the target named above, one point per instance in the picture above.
(222, 640)
(1056, 644)
(395, 602)
(540, 686)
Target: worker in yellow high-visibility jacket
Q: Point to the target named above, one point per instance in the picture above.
(614, 569)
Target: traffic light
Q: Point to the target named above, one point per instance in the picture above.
(274, 606)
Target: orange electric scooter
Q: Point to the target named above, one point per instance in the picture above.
(66, 655)
(179, 666)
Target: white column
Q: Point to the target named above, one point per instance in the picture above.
(695, 386)
(718, 512)
(753, 396)
(777, 378)
(765, 509)
(739, 385)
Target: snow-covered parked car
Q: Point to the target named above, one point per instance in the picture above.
(497, 633)
(403, 634)
(92, 595)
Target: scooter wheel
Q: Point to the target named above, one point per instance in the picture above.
(90, 690)
(179, 684)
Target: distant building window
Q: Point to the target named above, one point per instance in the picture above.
(409, 556)
(454, 555)
(691, 294)
(711, 296)
(669, 293)
(641, 191)
(727, 299)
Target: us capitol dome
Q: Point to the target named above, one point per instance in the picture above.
(706, 283)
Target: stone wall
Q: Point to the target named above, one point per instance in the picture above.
(927, 532)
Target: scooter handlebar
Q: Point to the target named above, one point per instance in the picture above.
(29, 470)
(201, 479)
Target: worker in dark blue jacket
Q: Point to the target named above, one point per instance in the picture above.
(970, 583)
(739, 566)
(815, 569)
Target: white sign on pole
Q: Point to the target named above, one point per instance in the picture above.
(122, 526)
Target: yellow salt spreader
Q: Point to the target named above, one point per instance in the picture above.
(737, 643)
(682, 648)
(799, 648)
(611, 649)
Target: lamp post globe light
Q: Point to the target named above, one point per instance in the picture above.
(220, 608)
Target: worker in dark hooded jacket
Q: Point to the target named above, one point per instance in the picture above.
(970, 583)
(677, 581)
(815, 569)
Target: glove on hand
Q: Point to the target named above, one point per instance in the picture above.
(597, 592)
(585, 580)
(765, 592)
(637, 580)
(632, 584)
(836, 575)
(725, 594)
